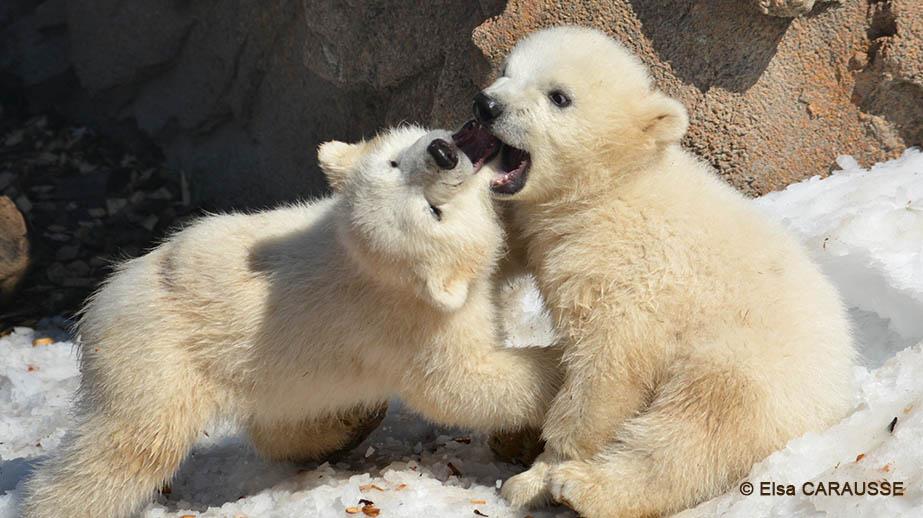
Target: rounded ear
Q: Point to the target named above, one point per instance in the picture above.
(338, 159)
(664, 119)
(447, 295)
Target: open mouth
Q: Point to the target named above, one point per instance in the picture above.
(513, 169)
(481, 147)
(477, 143)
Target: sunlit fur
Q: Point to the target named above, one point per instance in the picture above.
(698, 336)
(284, 319)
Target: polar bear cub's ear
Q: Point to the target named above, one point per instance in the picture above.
(664, 120)
(338, 160)
(446, 281)
(447, 294)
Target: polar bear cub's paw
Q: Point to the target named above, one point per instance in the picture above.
(574, 483)
(530, 488)
(527, 489)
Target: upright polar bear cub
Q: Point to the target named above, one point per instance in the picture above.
(284, 319)
(698, 336)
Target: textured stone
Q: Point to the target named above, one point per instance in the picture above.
(786, 8)
(889, 87)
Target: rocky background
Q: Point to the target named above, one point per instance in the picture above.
(227, 100)
(72, 202)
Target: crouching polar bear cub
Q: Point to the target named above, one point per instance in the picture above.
(284, 318)
(698, 336)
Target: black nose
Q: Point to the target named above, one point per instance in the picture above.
(486, 108)
(443, 154)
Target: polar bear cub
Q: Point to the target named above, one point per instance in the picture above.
(284, 319)
(698, 336)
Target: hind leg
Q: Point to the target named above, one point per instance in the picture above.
(704, 429)
(118, 455)
(316, 438)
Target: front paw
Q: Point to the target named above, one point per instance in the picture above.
(573, 483)
(527, 489)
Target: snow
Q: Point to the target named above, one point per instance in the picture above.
(865, 228)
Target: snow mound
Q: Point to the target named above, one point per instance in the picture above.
(865, 228)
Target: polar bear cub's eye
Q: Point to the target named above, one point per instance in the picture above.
(392, 163)
(559, 98)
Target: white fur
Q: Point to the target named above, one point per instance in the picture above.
(287, 318)
(698, 336)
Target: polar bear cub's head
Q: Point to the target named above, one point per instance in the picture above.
(571, 100)
(415, 212)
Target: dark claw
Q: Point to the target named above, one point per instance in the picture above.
(442, 152)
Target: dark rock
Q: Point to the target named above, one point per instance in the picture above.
(57, 273)
(78, 269)
(78, 282)
(114, 205)
(62, 174)
(6, 178)
(66, 253)
(34, 41)
(23, 203)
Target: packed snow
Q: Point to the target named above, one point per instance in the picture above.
(865, 227)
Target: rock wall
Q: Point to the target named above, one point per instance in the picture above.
(238, 93)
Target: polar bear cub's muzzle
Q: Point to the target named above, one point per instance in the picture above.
(446, 171)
